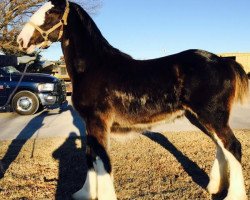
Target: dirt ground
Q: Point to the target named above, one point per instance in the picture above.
(150, 166)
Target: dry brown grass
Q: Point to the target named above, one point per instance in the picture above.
(147, 167)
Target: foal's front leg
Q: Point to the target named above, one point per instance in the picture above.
(89, 189)
(98, 184)
(105, 186)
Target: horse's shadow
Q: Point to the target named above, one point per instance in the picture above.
(193, 170)
(17, 144)
(26, 133)
(198, 175)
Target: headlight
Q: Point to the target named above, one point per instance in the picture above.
(46, 87)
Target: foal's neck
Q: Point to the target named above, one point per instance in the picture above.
(83, 44)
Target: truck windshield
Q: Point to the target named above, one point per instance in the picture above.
(10, 70)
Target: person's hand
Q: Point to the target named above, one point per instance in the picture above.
(25, 59)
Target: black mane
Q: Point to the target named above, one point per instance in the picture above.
(97, 38)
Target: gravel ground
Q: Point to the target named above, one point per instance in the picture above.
(150, 166)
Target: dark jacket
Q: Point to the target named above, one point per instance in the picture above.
(8, 61)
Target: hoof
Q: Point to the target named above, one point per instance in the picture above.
(89, 190)
(230, 197)
(238, 194)
(214, 188)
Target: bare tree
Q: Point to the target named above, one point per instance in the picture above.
(12, 16)
(14, 13)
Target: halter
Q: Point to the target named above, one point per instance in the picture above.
(62, 22)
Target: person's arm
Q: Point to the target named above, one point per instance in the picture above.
(13, 60)
(25, 59)
(8, 60)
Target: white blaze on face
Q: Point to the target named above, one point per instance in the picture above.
(38, 19)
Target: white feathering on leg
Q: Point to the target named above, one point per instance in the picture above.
(218, 176)
(89, 189)
(214, 182)
(105, 184)
(236, 189)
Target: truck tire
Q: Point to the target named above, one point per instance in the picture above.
(25, 103)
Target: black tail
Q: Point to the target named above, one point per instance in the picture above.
(241, 82)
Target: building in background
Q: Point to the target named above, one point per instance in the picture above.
(60, 71)
(242, 58)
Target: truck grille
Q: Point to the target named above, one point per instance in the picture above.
(60, 90)
(60, 87)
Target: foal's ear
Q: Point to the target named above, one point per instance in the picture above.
(58, 2)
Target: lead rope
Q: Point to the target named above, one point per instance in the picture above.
(17, 86)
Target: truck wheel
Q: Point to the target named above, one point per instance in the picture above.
(25, 103)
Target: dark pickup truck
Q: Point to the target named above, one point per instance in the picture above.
(35, 92)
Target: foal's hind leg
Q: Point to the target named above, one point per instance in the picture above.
(231, 149)
(218, 175)
(228, 154)
(98, 184)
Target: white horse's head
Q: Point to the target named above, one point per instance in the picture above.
(45, 26)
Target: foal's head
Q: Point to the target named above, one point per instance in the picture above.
(45, 26)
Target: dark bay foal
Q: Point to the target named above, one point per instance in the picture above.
(111, 87)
